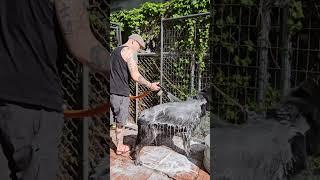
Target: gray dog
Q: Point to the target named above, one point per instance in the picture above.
(169, 119)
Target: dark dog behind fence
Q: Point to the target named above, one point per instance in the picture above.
(270, 148)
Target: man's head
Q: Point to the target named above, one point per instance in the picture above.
(136, 42)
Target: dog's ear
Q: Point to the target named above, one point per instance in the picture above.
(207, 93)
(204, 108)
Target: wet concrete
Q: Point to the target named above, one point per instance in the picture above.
(159, 162)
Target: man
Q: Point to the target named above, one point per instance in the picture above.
(31, 114)
(124, 65)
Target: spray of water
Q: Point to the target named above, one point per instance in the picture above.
(171, 97)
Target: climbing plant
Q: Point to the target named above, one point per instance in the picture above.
(295, 16)
(146, 20)
(225, 37)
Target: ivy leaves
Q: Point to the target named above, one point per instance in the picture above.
(190, 35)
(146, 19)
(296, 16)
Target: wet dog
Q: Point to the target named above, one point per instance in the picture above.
(169, 119)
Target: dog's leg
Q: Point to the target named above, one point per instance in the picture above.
(186, 143)
(145, 137)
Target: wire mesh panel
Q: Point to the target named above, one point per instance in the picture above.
(186, 66)
(149, 67)
(238, 51)
(98, 127)
(234, 53)
(69, 153)
(99, 138)
(115, 35)
(85, 140)
(305, 52)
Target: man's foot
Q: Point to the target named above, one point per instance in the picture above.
(113, 126)
(122, 149)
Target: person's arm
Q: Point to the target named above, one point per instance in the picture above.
(127, 55)
(75, 27)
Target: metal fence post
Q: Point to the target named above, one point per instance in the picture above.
(193, 61)
(192, 73)
(263, 44)
(136, 100)
(285, 63)
(85, 124)
(161, 58)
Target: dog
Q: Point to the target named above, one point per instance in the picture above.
(169, 119)
(272, 147)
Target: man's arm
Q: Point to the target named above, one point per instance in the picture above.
(127, 55)
(74, 24)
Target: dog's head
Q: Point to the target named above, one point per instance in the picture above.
(205, 97)
(207, 94)
(306, 97)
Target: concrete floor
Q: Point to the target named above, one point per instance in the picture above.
(159, 162)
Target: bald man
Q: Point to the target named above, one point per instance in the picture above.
(124, 66)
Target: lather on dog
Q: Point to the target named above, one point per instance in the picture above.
(169, 119)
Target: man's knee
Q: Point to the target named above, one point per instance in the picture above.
(22, 157)
(19, 159)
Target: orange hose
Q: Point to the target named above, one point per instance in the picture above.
(103, 108)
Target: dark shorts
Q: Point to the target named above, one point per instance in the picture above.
(120, 109)
(29, 140)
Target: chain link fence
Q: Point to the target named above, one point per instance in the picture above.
(85, 141)
(96, 129)
(71, 139)
(181, 72)
(149, 67)
(260, 51)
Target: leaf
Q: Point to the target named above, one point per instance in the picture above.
(236, 59)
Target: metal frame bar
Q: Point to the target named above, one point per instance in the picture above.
(117, 28)
(161, 58)
(85, 124)
(187, 16)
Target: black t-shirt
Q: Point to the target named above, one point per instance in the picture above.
(29, 53)
(119, 75)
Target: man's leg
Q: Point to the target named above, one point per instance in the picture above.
(29, 140)
(120, 107)
(47, 144)
(4, 169)
(16, 132)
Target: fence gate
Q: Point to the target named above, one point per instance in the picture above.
(184, 41)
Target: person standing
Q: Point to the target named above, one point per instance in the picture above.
(124, 66)
(32, 36)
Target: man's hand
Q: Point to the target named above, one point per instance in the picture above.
(155, 86)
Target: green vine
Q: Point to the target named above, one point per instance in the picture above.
(295, 16)
(224, 37)
(146, 20)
